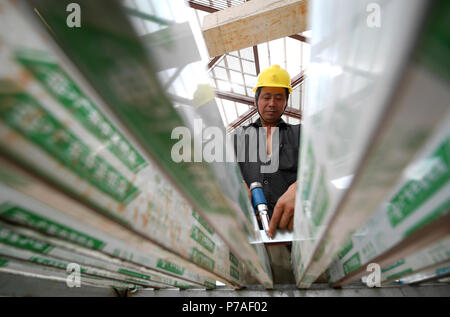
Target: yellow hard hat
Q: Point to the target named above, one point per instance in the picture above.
(274, 76)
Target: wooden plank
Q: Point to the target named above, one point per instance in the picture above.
(252, 23)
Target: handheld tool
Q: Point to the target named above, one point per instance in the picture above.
(260, 206)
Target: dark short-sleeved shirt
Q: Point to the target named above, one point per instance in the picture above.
(274, 183)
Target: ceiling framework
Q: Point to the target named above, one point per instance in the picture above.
(297, 80)
(214, 61)
(291, 112)
(256, 56)
(300, 38)
(240, 120)
(239, 90)
(213, 6)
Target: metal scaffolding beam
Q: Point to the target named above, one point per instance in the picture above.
(291, 112)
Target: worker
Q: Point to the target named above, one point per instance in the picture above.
(271, 98)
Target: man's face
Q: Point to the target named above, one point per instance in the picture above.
(271, 103)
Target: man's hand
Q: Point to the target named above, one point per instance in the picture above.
(283, 213)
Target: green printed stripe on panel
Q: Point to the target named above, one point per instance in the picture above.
(136, 281)
(445, 207)
(202, 239)
(3, 262)
(396, 275)
(401, 262)
(320, 202)
(202, 222)
(170, 267)
(346, 249)
(183, 286)
(24, 114)
(308, 172)
(135, 274)
(18, 240)
(63, 88)
(89, 277)
(209, 285)
(352, 264)
(433, 50)
(28, 218)
(233, 259)
(49, 262)
(234, 273)
(201, 259)
(416, 192)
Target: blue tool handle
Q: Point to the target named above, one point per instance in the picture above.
(258, 197)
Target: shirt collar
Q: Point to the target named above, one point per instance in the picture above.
(258, 124)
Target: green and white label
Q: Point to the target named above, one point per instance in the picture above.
(18, 240)
(352, 264)
(202, 222)
(170, 267)
(234, 272)
(234, 260)
(320, 203)
(136, 281)
(3, 262)
(308, 172)
(201, 259)
(184, 286)
(63, 88)
(346, 249)
(28, 218)
(416, 192)
(209, 284)
(441, 209)
(134, 274)
(393, 266)
(51, 262)
(202, 239)
(24, 114)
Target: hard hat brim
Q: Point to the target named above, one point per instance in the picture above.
(274, 85)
